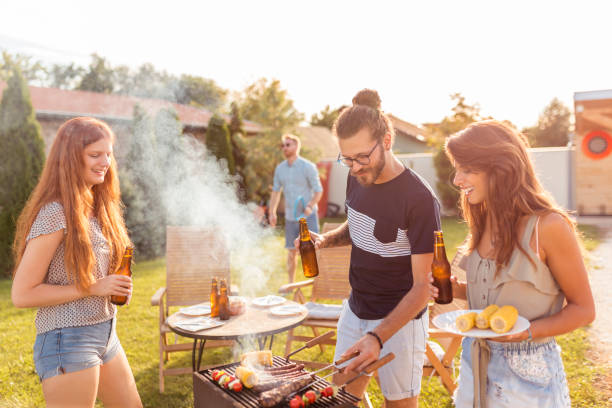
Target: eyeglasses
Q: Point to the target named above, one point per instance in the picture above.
(363, 159)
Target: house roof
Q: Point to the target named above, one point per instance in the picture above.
(408, 129)
(318, 137)
(61, 102)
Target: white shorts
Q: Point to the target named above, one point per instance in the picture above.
(400, 378)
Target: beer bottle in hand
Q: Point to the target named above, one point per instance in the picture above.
(124, 269)
(441, 271)
(224, 311)
(214, 298)
(307, 251)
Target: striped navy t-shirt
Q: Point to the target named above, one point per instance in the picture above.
(388, 223)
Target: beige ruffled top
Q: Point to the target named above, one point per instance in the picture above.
(533, 291)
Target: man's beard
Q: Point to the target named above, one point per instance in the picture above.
(374, 172)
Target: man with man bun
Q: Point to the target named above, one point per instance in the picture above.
(392, 214)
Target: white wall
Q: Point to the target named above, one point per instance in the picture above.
(553, 166)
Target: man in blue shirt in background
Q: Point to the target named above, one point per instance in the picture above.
(299, 180)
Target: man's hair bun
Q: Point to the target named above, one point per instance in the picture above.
(367, 97)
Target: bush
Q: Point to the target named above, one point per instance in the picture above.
(22, 158)
(218, 141)
(449, 195)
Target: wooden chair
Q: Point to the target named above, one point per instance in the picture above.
(193, 256)
(331, 284)
(441, 353)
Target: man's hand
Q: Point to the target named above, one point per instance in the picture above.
(317, 239)
(272, 219)
(307, 210)
(369, 351)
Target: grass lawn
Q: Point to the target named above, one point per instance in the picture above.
(137, 329)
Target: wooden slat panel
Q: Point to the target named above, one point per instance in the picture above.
(193, 256)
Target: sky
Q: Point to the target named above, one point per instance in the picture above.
(510, 57)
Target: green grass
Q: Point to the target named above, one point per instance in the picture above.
(137, 329)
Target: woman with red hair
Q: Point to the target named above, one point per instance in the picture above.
(70, 237)
(522, 250)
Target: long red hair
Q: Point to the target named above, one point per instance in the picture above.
(62, 181)
(514, 190)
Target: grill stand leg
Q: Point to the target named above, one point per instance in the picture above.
(195, 362)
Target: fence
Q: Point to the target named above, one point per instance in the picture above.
(553, 165)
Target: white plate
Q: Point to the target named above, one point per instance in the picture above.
(270, 300)
(287, 310)
(196, 310)
(198, 324)
(446, 322)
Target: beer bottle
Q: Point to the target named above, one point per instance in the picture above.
(224, 311)
(124, 269)
(307, 251)
(214, 298)
(441, 271)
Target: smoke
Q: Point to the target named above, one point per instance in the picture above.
(185, 185)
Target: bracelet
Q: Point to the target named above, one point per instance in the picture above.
(377, 337)
(530, 336)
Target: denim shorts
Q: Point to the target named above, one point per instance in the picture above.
(70, 349)
(292, 229)
(401, 377)
(519, 375)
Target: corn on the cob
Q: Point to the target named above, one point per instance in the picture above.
(466, 321)
(503, 320)
(262, 357)
(483, 318)
(247, 376)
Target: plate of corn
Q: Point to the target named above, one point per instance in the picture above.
(493, 321)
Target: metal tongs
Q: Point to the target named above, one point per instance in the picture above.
(317, 340)
(369, 369)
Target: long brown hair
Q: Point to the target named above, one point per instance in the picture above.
(514, 190)
(62, 181)
(365, 112)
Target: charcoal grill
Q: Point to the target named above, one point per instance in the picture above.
(207, 393)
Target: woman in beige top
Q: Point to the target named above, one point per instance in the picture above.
(522, 250)
(70, 237)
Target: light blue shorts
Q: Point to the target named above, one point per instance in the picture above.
(292, 229)
(519, 375)
(401, 377)
(70, 349)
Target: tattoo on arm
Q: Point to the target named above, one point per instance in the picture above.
(338, 237)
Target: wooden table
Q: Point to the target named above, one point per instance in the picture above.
(256, 323)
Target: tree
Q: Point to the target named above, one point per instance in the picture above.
(553, 126)
(30, 70)
(200, 92)
(145, 213)
(65, 76)
(22, 158)
(239, 149)
(326, 117)
(99, 78)
(218, 141)
(266, 103)
(463, 115)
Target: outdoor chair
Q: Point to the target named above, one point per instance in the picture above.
(193, 256)
(331, 284)
(441, 353)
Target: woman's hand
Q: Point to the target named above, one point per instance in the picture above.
(118, 285)
(512, 338)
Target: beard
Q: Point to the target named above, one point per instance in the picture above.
(367, 176)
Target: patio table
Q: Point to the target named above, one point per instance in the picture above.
(255, 323)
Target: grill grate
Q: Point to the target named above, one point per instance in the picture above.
(207, 393)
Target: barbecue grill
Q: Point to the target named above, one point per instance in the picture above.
(207, 393)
